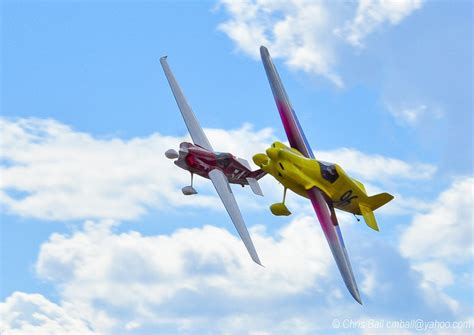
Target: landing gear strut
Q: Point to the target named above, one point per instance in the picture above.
(280, 209)
(189, 190)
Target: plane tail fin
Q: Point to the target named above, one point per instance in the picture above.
(254, 185)
(378, 200)
(369, 217)
(373, 202)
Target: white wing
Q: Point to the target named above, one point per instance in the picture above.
(225, 193)
(195, 130)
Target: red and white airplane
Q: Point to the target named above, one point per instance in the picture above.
(220, 167)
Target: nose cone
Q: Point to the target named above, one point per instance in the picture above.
(260, 159)
(272, 153)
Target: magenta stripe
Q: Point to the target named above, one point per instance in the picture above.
(293, 129)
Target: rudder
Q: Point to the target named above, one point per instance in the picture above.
(255, 186)
(373, 202)
(369, 217)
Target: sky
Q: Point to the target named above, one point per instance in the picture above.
(96, 236)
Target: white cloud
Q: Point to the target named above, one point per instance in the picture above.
(90, 255)
(297, 31)
(440, 240)
(371, 14)
(376, 167)
(409, 115)
(50, 171)
(413, 115)
(23, 313)
(153, 278)
(201, 280)
(436, 273)
(445, 233)
(305, 33)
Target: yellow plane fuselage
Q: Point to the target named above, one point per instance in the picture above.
(299, 174)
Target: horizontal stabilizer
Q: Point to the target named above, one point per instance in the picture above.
(369, 217)
(378, 200)
(255, 186)
(244, 162)
(255, 175)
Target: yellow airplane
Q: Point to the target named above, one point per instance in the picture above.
(325, 184)
(300, 174)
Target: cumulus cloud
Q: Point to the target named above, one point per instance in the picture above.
(155, 277)
(201, 279)
(129, 282)
(297, 31)
(377, 167)
(371, 14)
(78, 257)
(441, 241)
(448, 226)
(50, 171)
(305, 33)
(23, 313)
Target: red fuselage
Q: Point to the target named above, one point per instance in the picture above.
(200, 161)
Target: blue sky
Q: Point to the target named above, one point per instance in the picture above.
(96, 236)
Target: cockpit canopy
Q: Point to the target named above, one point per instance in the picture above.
(223, 159)
(328, 171)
